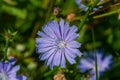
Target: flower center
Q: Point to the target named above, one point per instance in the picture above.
(62, 44)
(3, 76)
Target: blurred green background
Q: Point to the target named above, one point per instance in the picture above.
(26, 17)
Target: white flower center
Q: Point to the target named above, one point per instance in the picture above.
(3, 76)
(62, 44)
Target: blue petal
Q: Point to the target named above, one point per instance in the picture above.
(67, 28)
(106, 62)
(72, 37)
(47, 54)
(68, 52)
(81, 6)
(73, 44)
(2, 66)
(71, 32)
(55, 28)
(78, 1)
(50, 59)
(93, 77)
(62, 27)
(85, 65)
(44, 40)
(5, 66)
(48, 30)
(21, 77)
(12, 61)
(12, 76)
(14, 70)
(70, 59)
(57, 58)
(75, 51)
(74, 29)
(42, 50)
(45, 45)
(99, 58)
(42, 34)
(63, 62)
(8, 67)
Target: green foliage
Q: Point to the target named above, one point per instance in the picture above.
(23, 18)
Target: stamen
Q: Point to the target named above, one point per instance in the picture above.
(62, 44)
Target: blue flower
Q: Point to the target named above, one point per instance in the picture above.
(85, 7)
(8, 71)
(57, 43)
(89, 63)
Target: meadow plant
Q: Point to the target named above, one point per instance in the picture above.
(88, 63)
(51, 39)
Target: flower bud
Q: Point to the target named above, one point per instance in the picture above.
(71, 17)
(56, 11)
(59, 76)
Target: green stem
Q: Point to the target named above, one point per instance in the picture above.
(97, 1)
(84, 20)
(96, 66)
(86, 15)
(6, 49)
(50, 72)
(106, 14)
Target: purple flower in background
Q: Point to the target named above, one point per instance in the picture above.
(84, 7)
(8, 71)
(89, 63)
(57, 43)
(81, 5)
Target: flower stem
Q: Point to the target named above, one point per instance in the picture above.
(87, 14)
(96, 66)
(106, 14)
(50, 72)
(84, 20)
(6, 49)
